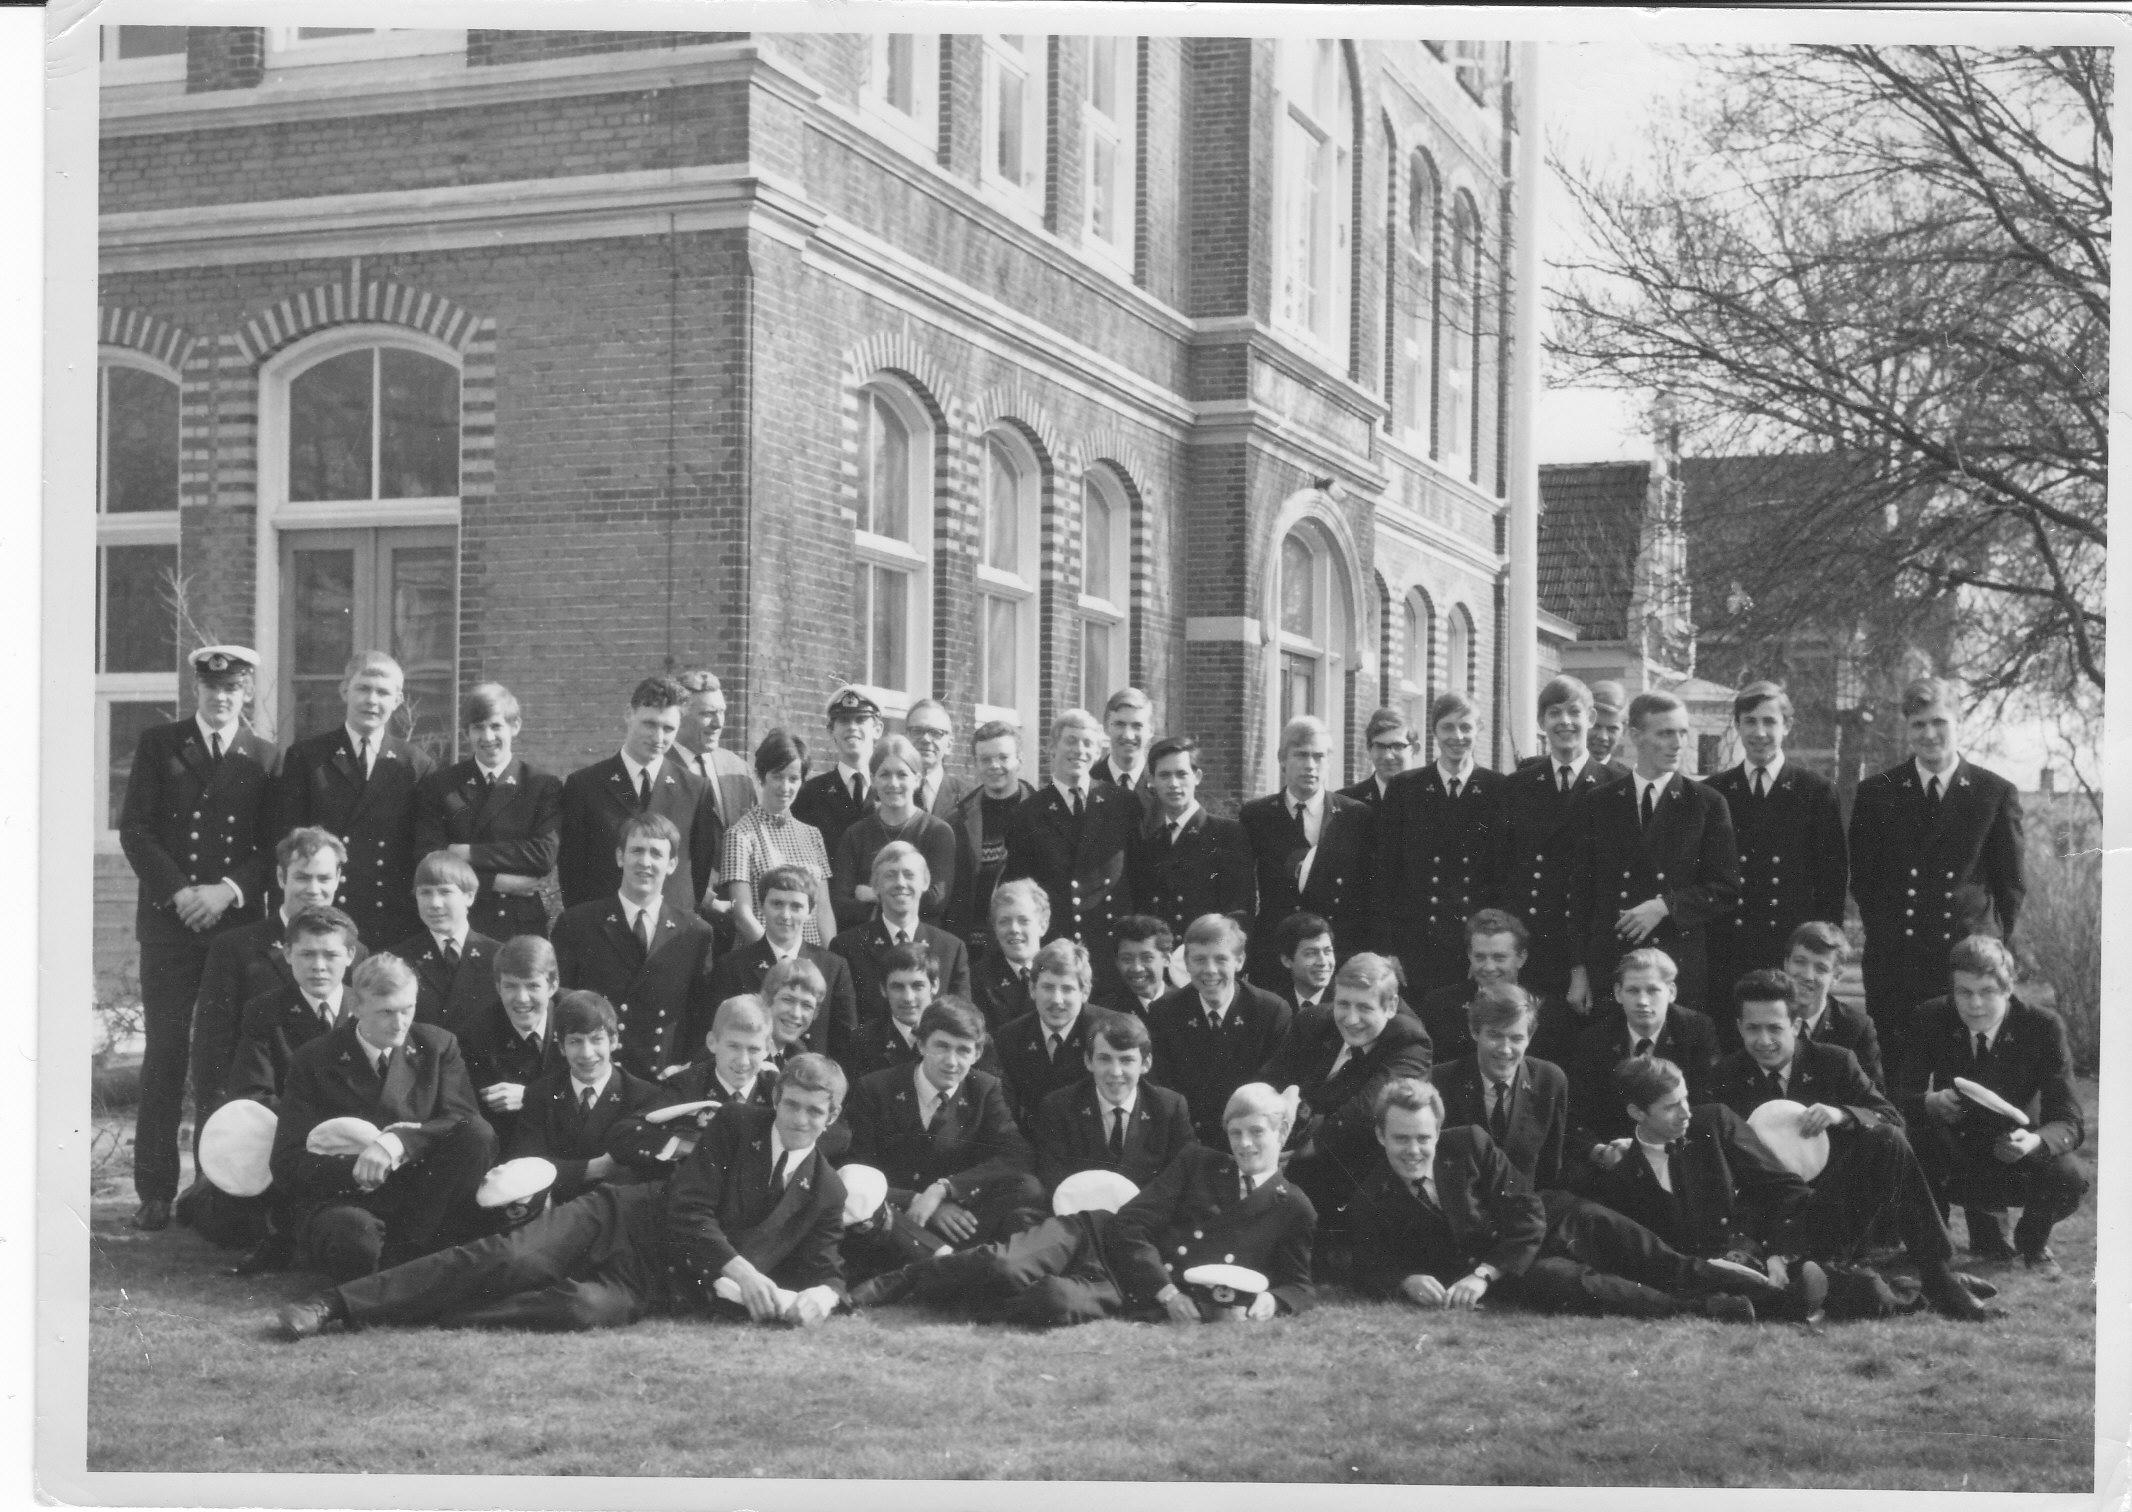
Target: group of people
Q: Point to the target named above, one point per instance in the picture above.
(807, 1040)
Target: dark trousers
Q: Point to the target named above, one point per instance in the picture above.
(1870, 1172)
(1004, 1207)
(500, 918)
(1045, 1276)
(577, 1266)
(1595, 1260)
(1961, 1170)
(172, 960)
(1431, 955)
(1895, 984)
(418, 1208)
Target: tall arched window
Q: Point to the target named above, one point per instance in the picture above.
(1316, 616)
(892, 571)
(1460, 670)
(1007, 573)
(1315, 196)
(1461, 338)
(1106, 588)
(1415, 291)
(1417, 660)
(136, 561)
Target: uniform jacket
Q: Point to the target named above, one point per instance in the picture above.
(1366, 791)
(1192, 1214)
(1073, 1134)
(1535, 851)
(879, 1046)
(742, 971)
(1206, 1066)
(2029, 1067)
(1032, 1073)
(320, 783)
(1336, 1120)
(512, 826)
(274, 1025)
(1728, 1189)
(643, 1145)
(425, 1086)
(1433, 862)
(1080, 864)
(1492, 1214)
(189, 820)
(719, 1205)
(1687, 1038)
(1208, 870)
(241, 963)
(865, 950)
(1536, 1143)
(825, 802)
(1144, 790)
(659, 995)
(598, 800)
(969, 909)
(998, 990)
(555, 1126)
(1795, 865)
(1337, 887)
(450, 995)
(494, 1050)
(973, 1142)
(1819, 1074)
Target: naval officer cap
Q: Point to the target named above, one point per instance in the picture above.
(850, 703)
(224, 661)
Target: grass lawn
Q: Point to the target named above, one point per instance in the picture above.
(184, 1374)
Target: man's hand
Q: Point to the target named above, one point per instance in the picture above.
(1609, 1155)
(717, 905)
(373, 1166)
(1944, 1105)
(953, 1221)
(599, 1167)
(863, 893)
(1635, 924)
(2016, 1144)
(758, 1293)
(813, 1305)
(503, 1097)
(1466, 1291)
(1822, 1116)
(191, 908)
(1263, 1306)
(1181, 1308)
(1423, 1291)
(1579, 996)
(923, 1205)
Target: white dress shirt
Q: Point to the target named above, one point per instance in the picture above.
(639, 770)
(1661, 1163)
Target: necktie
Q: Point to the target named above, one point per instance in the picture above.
(1243, 1184)
(585, 1098)
(487, 781)
(1498, 1111)
(1023, 977)
(362, 756)
(1643, 1047)
(644, 929)
(1053, 1051)
(1425, 1194)
(1174, 831)
(1073, 802)
(858, 790)
(777, 1173)
(384, 1064)
(1761, 777)
(1932, 793)
(1650, 796)
(451, 954)
(324, 1012)
(644, 790)
(1117, 1133)
(1771, 1084)
(1562, 779)
(214, 747)
(1983, 1047)
(1451, 790)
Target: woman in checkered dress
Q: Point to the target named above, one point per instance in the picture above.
(767, 836)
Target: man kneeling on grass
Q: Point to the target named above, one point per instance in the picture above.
(755, 1204)
(1208, 1206)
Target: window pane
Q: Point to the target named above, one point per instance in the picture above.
(322, 636)
(329, 429)
(1458, 653)
(1014, 42)
(319, 33)
(128, 720)
(149, 41)
(1095, 663)
(1002, 626)
(1096, 544)
(418, 452)
(891, 617)
(1002, 512)
(1103, 189)
(885, 478)
(1299, 614)
(140, 471)
(1007, 158)
(901, 84)
(425, 612)
(1417, 648)
(1103, 75)
(139, 623)
(1299, 685)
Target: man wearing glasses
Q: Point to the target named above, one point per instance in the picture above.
(933, 732)
(1392, 746)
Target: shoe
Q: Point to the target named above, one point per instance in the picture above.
(309, 1315)
(276, 1252)
(2042, 1264)
(1987, 1236)
(1805, 1287)
(1976, 1286)
(1727, 1308)
(183, 1210)
(1944, 1289)
(1738, 1278)
(153, 1216)
(886, 1289)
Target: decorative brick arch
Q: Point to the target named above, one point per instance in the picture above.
(380, 302)
(150, 335)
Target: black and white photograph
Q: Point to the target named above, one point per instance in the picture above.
(1320, 748)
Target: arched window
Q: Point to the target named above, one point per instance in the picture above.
(1010, 499)
(1106, 588)
(1315, 196)
(1459, 663)
(1316, 624)
(1109, 127)
(1016, 69)
(1417, 662)
(1461, 338)
(1416, 296)
(136, 561)
(892, 573)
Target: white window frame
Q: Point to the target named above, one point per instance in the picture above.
(1461, 363)
(1417, 327)
(911, 555)
(917, 129)
(1114, 612)
(1032, 64)
(163, 68)
(1121, 135)
(1418, 623)
(1327, 644)
(286, 49)
(1022, 586)
(1461, 665)
(1315, 201)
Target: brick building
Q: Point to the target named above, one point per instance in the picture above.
(1002, 369)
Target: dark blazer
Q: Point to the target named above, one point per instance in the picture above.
(852, 864)
(2029, 1067)
(1190, 1215)
(598, 800)
(1851, 1028)
(1687, 1039)
(1688, 857)
(448, 995)
(1073, 1134)
(1032, 1074)
(1819, 1074)
(1208, 870)
(951, 792)
(658, 996)
(1144, 791)
(644, 1146)
(495, 1052)
(1537, 1139)
(1555, 1029)
(1205, 1066)
(1926, 879)
(1728, 1189)
(1795, 865)
(1489, 1214)
(1338, 889)
(273, 1027)
(998, 990)
(719, 1205)
(825, 802)
(969, 910)
(241, 963)
(1433, 862)
(511, 827)
(555, 1126)
(321, 784)
(879, 1046)
(1535, 850)
(865, 950)
(1335, 1129)
(1366, 791)
(425, 1086)
(1080, 864)
(973, 1142)
(741, 971)
(188, 821)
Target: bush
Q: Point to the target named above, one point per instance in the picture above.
(114, 1068)
(2059, 937)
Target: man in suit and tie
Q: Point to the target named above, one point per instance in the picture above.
(1044, 1050)
(650, 959)
(1309, 848)
(910, 979)
(1936, 855)
(728, 785)
(1871, 1168)
(1392, 746)
(1984, 1034)
(1129, 722)
(1304, 944)
(496, 812)
(359, 782)
(1813, 959)
(1142, 957)
(455, 964)
(931, 730)
(1182, 861)
(787, 903)
(1113, 1119)
(509, 1043)
(1608, 739)
(569, 1113)
(411, 1189)
(738, 1071)
(1070, 839)
(835, 800)
(1520, 1099)
(1497, 953)
(1654, 861)
(1003, 975)
(1795, 864)
(1652, 1022)
(643, 778)
(197, 826)
(900, 878)
(981, 817)
(1212, 1035)
(1434, 851)
(756, 1203)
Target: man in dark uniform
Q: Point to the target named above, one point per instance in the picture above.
(1813, 959)
(197, 826)
(1655, 861)
(900, 880)
(1519, 1098)
(454, 961)
(1045, 1049)
(835, 800)
(1128, 723)
(1309, 847)
(1113, 1118)
(1935, 856)
(359, 782)
(510, 1043)
(1391, 745)
(1071, 838)
(496, 812)
(1183, 862)
(1304, 944)
(1536, 842)
(1435, 850)
(1212, 1035)
(570, 1112)
(1003, 969)
(1496, 954)
(785, 902)
(644, 777)
(1794, 861)
(1605, 740)
(1651, 1023)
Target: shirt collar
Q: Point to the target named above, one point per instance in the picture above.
(1462, 776)
(631, 910)
(1991, 1036)
(779, 1147)
(540, 1033)
(1222, 1013)
(333, 1001)
(577, 1088)
(735, 1094)
(228, 732)
(1576, 768)
(1776, 765)
(1104, 1105)
(356, 738)
(375, 1052)
(1946, 778)
(928, 1095)
(846, 773)
(776, 954)
(1652, 1151)
(1645, 784)
(1312, 806)
(1069, 793)
(1182, 819)
(493, 773)
(637, 769)
(1256, 1181)
(909, 1035)
(458, 941)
